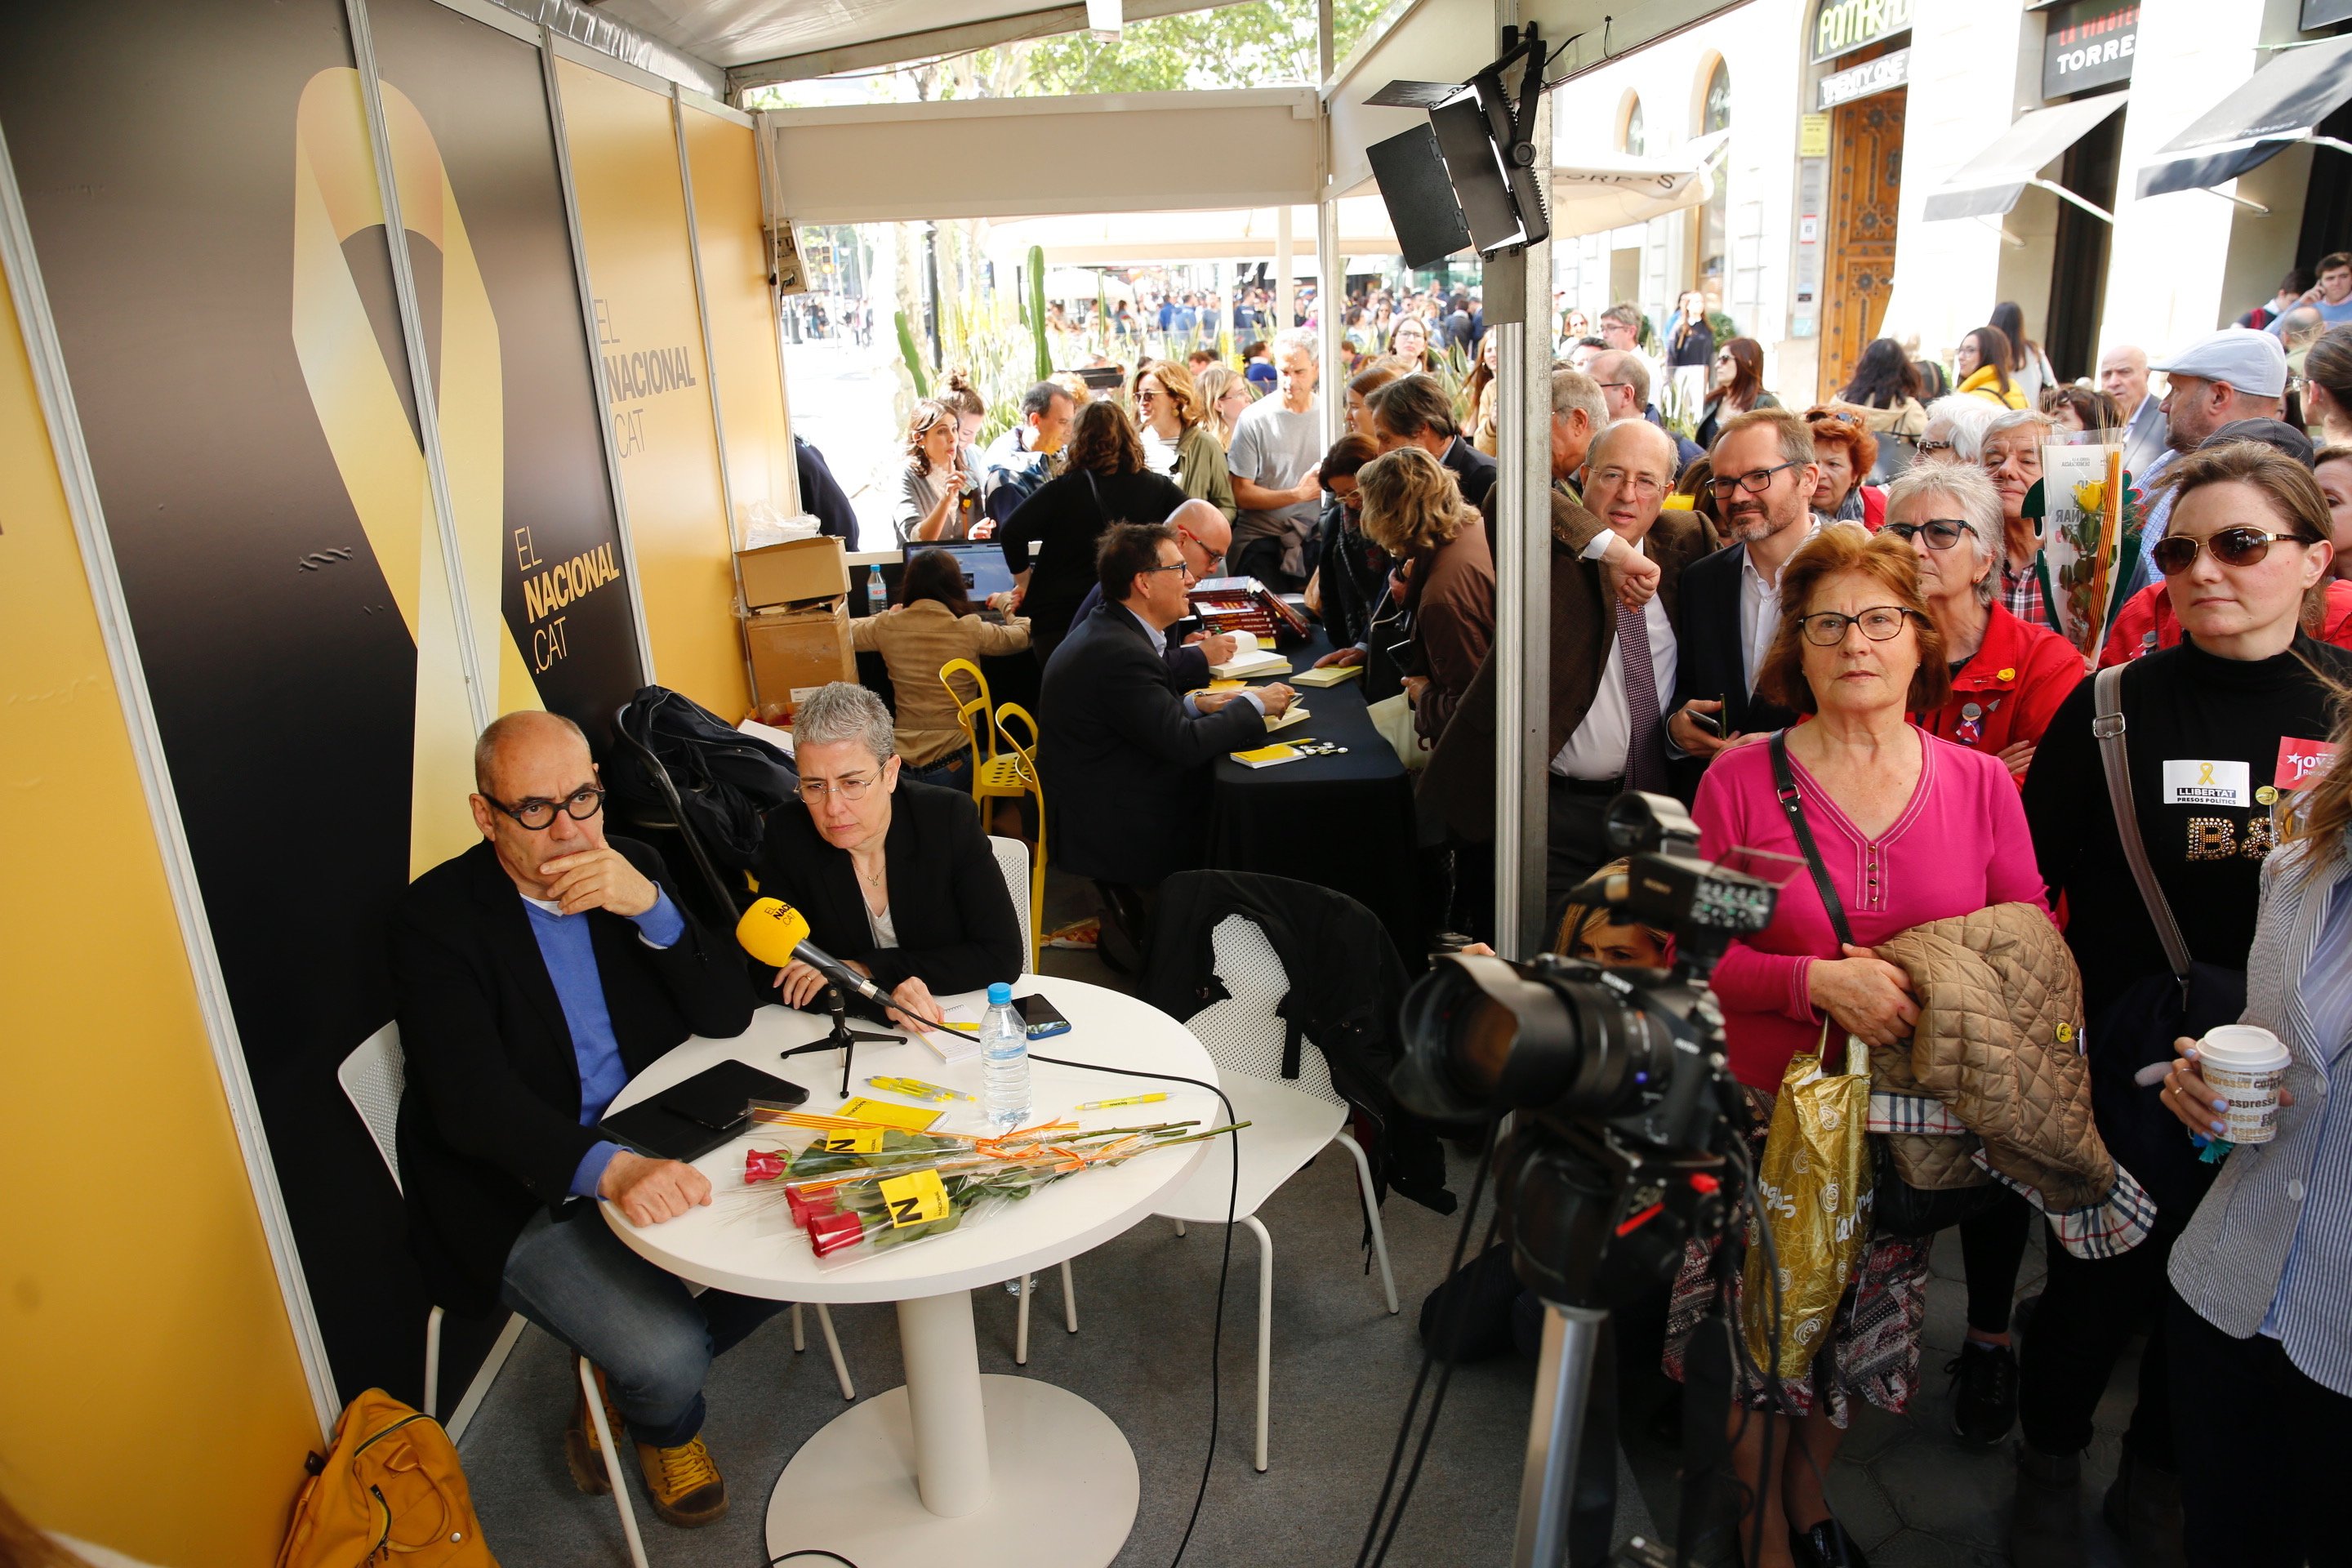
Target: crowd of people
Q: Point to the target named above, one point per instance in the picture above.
(1832, 632)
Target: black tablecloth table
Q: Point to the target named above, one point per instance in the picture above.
(1340, 822)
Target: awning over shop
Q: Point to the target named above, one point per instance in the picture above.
(1990, 183)
(2278, 106)
(1596, 192)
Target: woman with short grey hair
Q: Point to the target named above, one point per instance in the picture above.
(2008, 677)
(2011, 453)
(896, 878)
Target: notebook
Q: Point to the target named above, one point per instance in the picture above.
(688, 1120)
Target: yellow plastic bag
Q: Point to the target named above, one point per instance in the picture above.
(1814, 1194)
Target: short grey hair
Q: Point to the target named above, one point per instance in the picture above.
(1291, 338)
(1963, 417)
(842, 711)
(2003, 423)
(1572, 390)
(507, 728)
(1623, 364)
(1971, 491)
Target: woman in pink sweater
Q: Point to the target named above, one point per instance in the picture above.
(1910, 828)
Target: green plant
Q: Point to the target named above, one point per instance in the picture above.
(1036, 311)
(908, 352)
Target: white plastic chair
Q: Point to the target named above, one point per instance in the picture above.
(1012, 861)
(372, 1077)
(1291, 1121)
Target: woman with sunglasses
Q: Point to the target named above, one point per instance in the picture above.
(1909, 829)
(1178, 440)
(2008, 678)
(1738, 387)
(2211, 728)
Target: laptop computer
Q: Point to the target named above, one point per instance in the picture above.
(984, 572)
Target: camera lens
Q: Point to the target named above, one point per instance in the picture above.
(1546, 1041)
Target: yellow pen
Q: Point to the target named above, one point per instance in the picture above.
(916, 1088)
(1130, 1100)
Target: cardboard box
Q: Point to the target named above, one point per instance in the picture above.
(792, 653)
(792, 573)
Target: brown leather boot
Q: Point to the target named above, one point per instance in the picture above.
(582, 1454)
(2045, 1527)
(2143, 1508)
(683, 1483)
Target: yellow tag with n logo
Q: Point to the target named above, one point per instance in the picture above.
(915, 1199)
(856, 1140)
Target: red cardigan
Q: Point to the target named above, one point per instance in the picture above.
(2014, 684)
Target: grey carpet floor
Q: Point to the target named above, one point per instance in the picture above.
(1342, 1369)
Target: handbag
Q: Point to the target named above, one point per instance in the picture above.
(1814, 1199)
(1393, 717)
(1898, 1207)
(2138, 1028)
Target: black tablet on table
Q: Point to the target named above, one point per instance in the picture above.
(688, 1120)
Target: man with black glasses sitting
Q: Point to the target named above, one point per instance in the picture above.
(535, 974)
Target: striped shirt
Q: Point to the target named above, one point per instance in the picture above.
(2268, 1248)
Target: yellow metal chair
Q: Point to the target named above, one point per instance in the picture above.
(1018, 764)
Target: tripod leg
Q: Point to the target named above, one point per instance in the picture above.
(1563, 1376)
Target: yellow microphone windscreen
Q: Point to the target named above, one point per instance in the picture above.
(770, 929)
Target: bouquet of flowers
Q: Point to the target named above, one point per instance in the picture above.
(2094, 541)
(858, 1188)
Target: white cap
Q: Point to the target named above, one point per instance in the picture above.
(2253, 363)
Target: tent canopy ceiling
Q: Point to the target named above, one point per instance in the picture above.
(761, 41)
(1122, 239)
(2279, 105)
(1990, 183)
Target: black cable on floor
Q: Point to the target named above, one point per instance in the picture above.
(1225, 1268)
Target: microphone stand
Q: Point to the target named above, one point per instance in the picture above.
(843, 1037)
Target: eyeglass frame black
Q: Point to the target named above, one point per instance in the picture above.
(563, 805)
(1960, 524)
(1904, 611)
(2200, 546)
(1723, 488)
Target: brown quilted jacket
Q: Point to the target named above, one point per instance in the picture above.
(1998, 1041)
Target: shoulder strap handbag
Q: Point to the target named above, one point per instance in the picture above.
(2136, 1029)
(1897, 1208)
(2114, 761)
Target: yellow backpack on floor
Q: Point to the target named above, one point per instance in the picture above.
(390, 1487)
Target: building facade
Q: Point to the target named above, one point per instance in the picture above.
(2125, 171)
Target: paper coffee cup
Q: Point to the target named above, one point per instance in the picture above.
(2245, 1064)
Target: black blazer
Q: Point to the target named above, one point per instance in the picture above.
(490, 1123)
(1473, 470)
(1125, 769)
(956, 925)
(1708, 650)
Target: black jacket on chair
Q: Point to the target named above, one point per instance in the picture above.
(956, 925)
(1707, 644)
(1125, 768)
(489, 1123)
(1347, 985)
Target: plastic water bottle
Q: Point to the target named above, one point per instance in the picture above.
(1005, 1059)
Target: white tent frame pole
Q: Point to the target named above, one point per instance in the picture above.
(1286, 288)
(2063, 194)
(1330, 310)
(771, 207)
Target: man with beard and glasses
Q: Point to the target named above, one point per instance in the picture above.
(1764, 476)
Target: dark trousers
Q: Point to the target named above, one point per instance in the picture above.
(2262, 1449)
(655, 1339)
(2090, 1309)
(1261, 558)
(1575, 846)
(1992, 1249)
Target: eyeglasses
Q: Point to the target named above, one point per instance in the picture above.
(1926, 446)
(538, 816)
(1755, 482)
(1147, 394)
(1184, 566)
(2175, 554)
(1644, 485)
(851, 787)
(1604, 385)
(1826, 628)
(1942, 532)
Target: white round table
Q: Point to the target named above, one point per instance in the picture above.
(954, 1466)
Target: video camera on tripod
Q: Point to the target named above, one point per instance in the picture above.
(1622, 1107)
